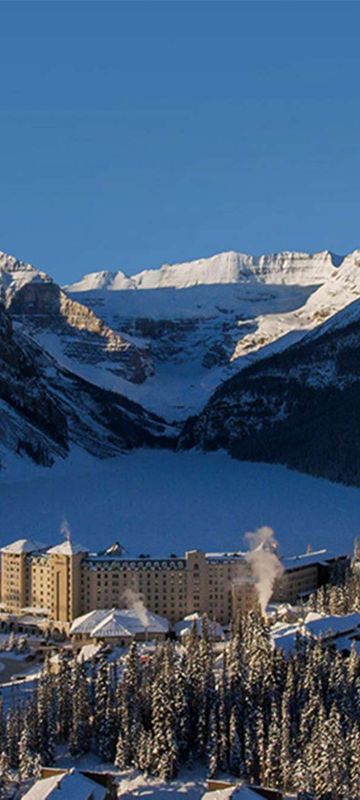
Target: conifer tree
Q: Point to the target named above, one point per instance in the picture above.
(164, 745)
(64, 698)
(272, 767)
(46, 717)
(212, 748)
(79, 727)
(13, 736)
(26, 754)
(103, 724)
(235, 753)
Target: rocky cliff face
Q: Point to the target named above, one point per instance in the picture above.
(77, 333)
(68, 330)
(46, 409)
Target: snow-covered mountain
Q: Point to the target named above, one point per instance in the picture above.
(299, 407)
(167, 339)
(300, 269)
(203, 320)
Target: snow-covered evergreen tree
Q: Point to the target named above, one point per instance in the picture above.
(212, 749)
(46, 717)
(79, 727)
(26, 752)
(164, 743)
(235, 751)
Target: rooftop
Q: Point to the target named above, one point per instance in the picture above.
(118, 622)
(23, 546)
(64, 785)
(317, 626)
(68, 548)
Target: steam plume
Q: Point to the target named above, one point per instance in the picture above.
(135, 601)
(65, 530)
(264, 561)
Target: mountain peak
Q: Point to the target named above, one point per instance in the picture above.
(228, 267)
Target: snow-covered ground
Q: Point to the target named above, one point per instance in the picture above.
(191, 783)
(160, 502)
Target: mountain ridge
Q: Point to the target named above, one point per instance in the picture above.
(225, 267)
(169, 355)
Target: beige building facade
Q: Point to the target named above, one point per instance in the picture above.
(66, 581)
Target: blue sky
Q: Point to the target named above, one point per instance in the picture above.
(139, 133)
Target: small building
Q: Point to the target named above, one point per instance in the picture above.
(118, 626)
(67, 784)
(223, 790)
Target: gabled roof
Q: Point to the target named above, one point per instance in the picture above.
(119, 622)
(331, 624)
(72, 785)
(23, 546)
(129, 622)
(111, 626)
(68, 548)
(87, 622)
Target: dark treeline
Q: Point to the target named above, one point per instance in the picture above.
(283, 722)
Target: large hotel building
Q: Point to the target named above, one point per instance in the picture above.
(66, 581)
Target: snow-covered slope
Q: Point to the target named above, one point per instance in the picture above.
(204, 320)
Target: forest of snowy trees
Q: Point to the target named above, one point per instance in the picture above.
(289, 722)
(283, 722)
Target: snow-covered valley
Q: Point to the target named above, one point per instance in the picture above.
(161, 502)
(88, 365)
(201, 322)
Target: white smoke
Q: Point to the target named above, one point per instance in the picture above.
(134, 600)
(65, 529)
(264, 561)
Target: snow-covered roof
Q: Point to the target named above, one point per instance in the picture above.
(111, 626)
(33, 619)
(238, 792)
(129, 622)
(72, 784)
(88, 651)
(316, 626)
(36, 610)
(284, 635)
(68, 548)
(309, 559)
(119, 622)
(87, 622)
(185, 626)
(331, 625)
(23, 546)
